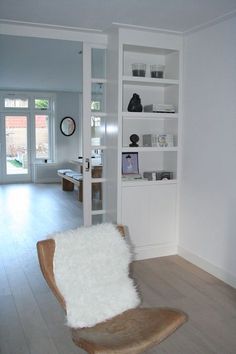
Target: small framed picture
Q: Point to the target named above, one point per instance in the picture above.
(130, 163)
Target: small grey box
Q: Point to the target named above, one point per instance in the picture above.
(164, 175)
(164, 108)
(149, 140)
(148, 108)
(150, 175)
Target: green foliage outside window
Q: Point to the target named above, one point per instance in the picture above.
(41, 103)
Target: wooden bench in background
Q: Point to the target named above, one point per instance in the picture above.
(70, 179)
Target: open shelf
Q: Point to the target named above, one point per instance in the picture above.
(142, 182)
(98, 114)
(98, 81)
(147, 115)
(148, 81)
(148, 149)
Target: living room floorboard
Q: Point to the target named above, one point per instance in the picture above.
(31, 320)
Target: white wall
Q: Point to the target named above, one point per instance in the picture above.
(29, 63)
(67, 147)
(208, 190)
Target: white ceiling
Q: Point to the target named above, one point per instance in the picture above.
(174, 15)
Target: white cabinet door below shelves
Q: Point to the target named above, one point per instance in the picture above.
(150, 214)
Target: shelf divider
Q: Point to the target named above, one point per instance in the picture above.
(149, 115)
(149, 149)
(132, 80)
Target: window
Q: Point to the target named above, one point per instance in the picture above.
(95, 121)
(96, 106)
(42, 137)
(43, 128)
(41, 103)
(16, 102)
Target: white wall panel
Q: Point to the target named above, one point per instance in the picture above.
(208, 192)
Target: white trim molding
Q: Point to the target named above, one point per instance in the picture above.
(210, 23)
(153, 251)
(202, 263)
(145, 28)
(40, 30)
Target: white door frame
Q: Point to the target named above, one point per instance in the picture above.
(87, 194)
(87, 37)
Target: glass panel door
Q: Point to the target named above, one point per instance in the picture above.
(98, 135)
(16, 148)
(94, 134)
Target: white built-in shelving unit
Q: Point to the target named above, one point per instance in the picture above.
(148, 208)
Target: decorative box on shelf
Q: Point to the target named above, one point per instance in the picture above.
(159, 108)
(159, 140)
(158, 175)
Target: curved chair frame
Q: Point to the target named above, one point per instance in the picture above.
(131, 332)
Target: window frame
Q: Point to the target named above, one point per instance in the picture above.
(31, 111)
(50, 112)
(16, 96)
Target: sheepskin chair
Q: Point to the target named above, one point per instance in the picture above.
(88, 271)
(91, 269)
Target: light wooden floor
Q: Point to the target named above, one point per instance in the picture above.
(32, 322)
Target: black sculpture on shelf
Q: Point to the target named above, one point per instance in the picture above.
(134, 138)
(135, 104)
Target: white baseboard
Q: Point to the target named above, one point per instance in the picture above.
(219, 273)
(153, 251)
(46, 172)
(47, 180)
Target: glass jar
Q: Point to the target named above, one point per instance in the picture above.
(139, 69)
(157, 71)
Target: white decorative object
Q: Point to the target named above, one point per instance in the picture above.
(91, 268)
(165, 140)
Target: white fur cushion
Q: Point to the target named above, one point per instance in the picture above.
(91, 271)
